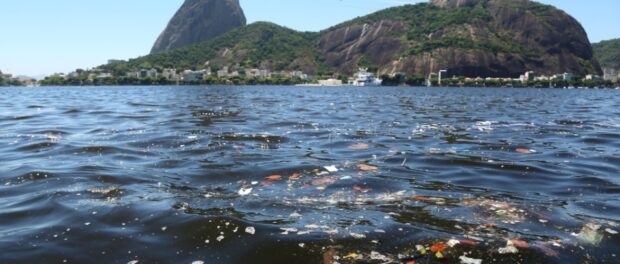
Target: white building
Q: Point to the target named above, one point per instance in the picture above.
(567, 76)
(191, 76)
(593, 77)
(442, 75)
(170, 74)
(223, 72)
(152, 73)
(330, 82)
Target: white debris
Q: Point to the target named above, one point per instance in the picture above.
(198, 262)
(254, 183)
(245, 191)
(332, 168)
(611, 231)
(302, 245)
(133, 262)
(466, 260)
(164, 228)
(287, 230)
(357, 236)
(377, 256)
(220, 238)
(453, 242)
(509, 249)
(250, 230)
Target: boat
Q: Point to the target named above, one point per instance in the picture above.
(365, 78)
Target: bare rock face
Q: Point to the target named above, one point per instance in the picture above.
(200, 20)
(486, 38)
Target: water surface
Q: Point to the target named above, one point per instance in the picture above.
(308, 175)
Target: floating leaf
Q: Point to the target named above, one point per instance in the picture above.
(350, 256)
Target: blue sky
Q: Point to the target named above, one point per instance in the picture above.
(42, 36)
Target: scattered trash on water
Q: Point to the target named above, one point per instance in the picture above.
(453, 242)
(590, 234)
(509, 249)
(357, 236)
(525, 151)
(377, 256)
(250, 230)
(366, 167)
(245, 191)
(468, 260)
(331, 168)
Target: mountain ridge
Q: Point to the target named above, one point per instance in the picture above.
(487, 38)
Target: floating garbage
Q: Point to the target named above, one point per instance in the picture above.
(590, 234)
(468, 260)
(332, 168)
(525, 151)
(366, 167)
(509, 249)
(198, 262)
(250, 230)
(611, 231)
(245, 191)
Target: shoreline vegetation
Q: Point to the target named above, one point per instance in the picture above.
(387, 81)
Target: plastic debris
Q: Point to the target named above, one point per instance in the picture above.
(519, 243)
(274, 178)
(351, 255)
(133, 262)
(359, 146)
(611, 231)
(467, 260)
(377, 256)
(198, 262)
(509, 249)
(295, 176)
(590, 234)
(220, 238)
(358, 188)
(453, 242)
(245, 191)
(366, 167)
(525, 151)
(250, 230)
(357, 236)
(332, 168)
(439, 247)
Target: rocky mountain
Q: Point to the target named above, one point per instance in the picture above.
(608, 53)
(200, 20)
(499, 38)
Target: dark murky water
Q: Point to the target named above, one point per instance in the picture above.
(309, 175)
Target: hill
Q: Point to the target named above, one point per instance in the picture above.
(499, 38)
(200, 20)
(608, 53)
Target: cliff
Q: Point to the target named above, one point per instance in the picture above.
(198, 21)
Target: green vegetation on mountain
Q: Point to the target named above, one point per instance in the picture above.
(608, 53)
(498, 38)
(259, 45)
